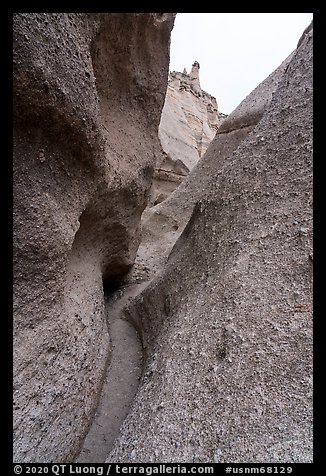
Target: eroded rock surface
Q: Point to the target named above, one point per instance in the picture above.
(227, 324)
(88, 94)
(163, 223)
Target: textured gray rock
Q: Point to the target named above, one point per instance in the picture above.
(163, 223)
(88, 93)
(227, 324)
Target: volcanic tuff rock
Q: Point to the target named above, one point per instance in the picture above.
(88, 94)
(190, 119)
(163, 224)
(227, 324)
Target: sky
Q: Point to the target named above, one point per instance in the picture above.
(236, 51)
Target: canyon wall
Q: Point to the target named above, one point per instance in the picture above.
(227, 323)
(88, 94)
(224, 311)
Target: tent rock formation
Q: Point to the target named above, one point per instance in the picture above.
(190, 119)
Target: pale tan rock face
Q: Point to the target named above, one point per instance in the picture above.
(88, 94)
(190, 119)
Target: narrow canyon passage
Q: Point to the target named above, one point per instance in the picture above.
(121, 383)
(126, 359)
(162, 252)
